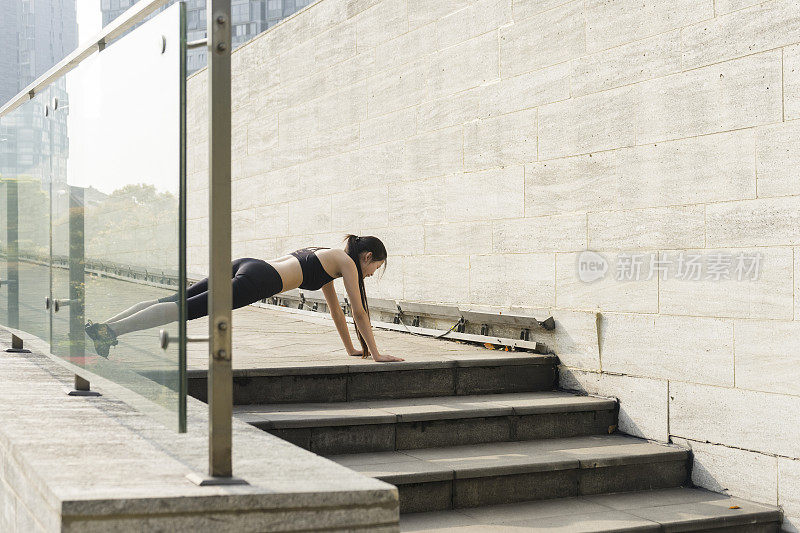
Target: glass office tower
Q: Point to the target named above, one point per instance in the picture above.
(34, 36)
(250, 17)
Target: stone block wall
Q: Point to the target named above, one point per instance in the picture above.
(490, 142)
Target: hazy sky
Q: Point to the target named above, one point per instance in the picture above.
(123, 106)
(89, 19)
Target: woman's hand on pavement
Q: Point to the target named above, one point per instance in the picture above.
(386, 358)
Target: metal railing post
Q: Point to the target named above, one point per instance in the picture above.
(82, 388)
(220, 376)
(12, 250)
(77, 273)
(17, 345)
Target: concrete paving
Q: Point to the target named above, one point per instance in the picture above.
(274, 338)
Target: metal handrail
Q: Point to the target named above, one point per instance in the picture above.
(115, 29)
(220, 381)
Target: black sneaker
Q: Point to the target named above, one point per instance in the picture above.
(102, 335)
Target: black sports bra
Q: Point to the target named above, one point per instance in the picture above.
(314, 276)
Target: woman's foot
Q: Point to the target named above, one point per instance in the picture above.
(102, 335)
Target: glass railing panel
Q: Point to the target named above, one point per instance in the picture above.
(25, 217)
(118, 181)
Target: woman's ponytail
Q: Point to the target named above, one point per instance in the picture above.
(356, 245)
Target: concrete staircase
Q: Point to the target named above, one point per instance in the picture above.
(487, 445)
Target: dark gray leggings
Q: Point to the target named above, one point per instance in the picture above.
(253, 280)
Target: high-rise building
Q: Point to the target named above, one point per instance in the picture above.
(34, 36)
(9, 50)
(249, 18)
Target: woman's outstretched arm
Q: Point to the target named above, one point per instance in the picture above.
(338, 316)
(350, 278)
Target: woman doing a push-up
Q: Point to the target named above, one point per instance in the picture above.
(256, 279)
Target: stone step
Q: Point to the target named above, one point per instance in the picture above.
(370, 380)
(678, 509)
(412, 423)
(435, 479)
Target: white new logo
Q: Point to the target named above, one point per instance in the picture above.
(591, 266)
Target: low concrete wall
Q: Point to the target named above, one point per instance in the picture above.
(70, 464)
(490, 142)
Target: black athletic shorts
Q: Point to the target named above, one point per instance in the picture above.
(252, 280)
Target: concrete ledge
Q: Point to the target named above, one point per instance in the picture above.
(577, 456)
(416, 409)
(507, 360)
(710, 515)
(447, 362)
(402, 366)
(552, 465)
(416, 379)
(657, 511)
(96, 464)
(638, 459)
(279, 371)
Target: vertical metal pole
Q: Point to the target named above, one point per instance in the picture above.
(77, 261)
(17, 345)
(220, 378)
(82, 388)
(12, 250)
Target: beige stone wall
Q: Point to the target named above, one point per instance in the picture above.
(489, 142)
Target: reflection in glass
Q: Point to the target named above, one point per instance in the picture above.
(93, 211)
(25, 222)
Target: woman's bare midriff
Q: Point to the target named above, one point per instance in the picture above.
(288, 266)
